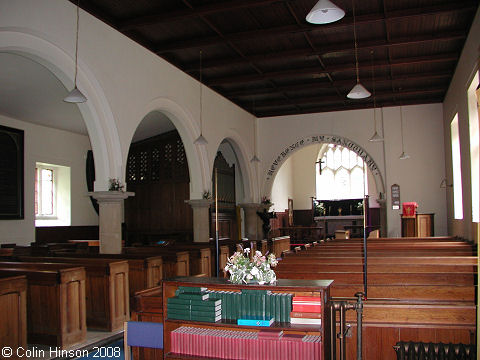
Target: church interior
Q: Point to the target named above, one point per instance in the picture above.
(147, 145)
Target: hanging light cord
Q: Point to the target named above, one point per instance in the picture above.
(401, 126)
(76, 44)
(374, 100)
(355, 41)
(201, 100)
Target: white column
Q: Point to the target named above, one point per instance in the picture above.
(110, 219)
(201, 221)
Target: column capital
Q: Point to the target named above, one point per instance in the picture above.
(110, 196)
(199, 203)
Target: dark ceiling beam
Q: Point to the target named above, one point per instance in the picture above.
(328, 99)
(347, 21)
(340, 83)
(307, 52)
(350, 106)
(171, 16)
(228, 80)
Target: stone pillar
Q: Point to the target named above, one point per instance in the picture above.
(253, 224)
(110, 219)
(201, 221)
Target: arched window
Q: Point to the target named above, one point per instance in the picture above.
(341, 176)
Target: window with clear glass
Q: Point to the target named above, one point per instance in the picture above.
(52, 195)
(340, 174)
(474, 147)
(456, 169)
(44, 192)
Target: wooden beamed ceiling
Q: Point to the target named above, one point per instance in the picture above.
(264, 56)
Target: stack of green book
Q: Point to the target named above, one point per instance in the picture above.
(194, 303)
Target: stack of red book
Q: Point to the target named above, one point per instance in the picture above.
(249, 345)
(306, 310)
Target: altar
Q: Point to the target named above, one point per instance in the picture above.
(333, 223)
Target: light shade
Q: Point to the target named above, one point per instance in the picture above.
(404, 156)
(324, 12)
(375, 137)
(255, 159)
(358, 92)
(75, 96)
(200, 140)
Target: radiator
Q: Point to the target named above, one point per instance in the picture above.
(434, 351)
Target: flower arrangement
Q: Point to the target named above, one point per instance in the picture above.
(116, 185)
(242, 269)
(266, 201)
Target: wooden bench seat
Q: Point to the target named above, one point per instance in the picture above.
(107, 293)
(394, 278)
(13, 302)
(144, 271)
(56, 309)
(405, 260)
(378, 268)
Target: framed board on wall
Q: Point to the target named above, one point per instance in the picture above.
(11, 174)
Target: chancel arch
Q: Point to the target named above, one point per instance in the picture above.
(293, 175)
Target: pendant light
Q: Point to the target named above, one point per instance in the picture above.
(254, 158)
(201, 140)
(358, 91)
(375, 137)
(325, 12)
(76, 96)
(403, 156)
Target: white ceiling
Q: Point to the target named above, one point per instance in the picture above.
(30, 92)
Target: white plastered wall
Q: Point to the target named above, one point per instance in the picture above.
(418, 176)
(123, 82)
(456, 101)
(43, 144)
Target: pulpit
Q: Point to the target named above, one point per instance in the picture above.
(419, 225)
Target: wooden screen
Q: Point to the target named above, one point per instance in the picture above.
(11, 173)
(227, 217)
(157, 171)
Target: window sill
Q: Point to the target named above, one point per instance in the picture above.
(52, 222)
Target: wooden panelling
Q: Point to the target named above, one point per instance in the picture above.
(157, 171)
(13, 304)
(56, 309)
(60, 234)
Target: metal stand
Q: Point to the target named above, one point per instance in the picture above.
(342, 307)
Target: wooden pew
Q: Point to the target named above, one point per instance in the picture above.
(148, 307)
(56, 309)
(107, 293)
(280, 244)
(13, 303)
(144, 271)
(174, 263)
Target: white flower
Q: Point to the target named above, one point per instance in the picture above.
(254, 271)
(249, 277)
(246, 251)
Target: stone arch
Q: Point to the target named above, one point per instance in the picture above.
(289, 150)
(198, 165)
(240, 149)
(96, 112)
